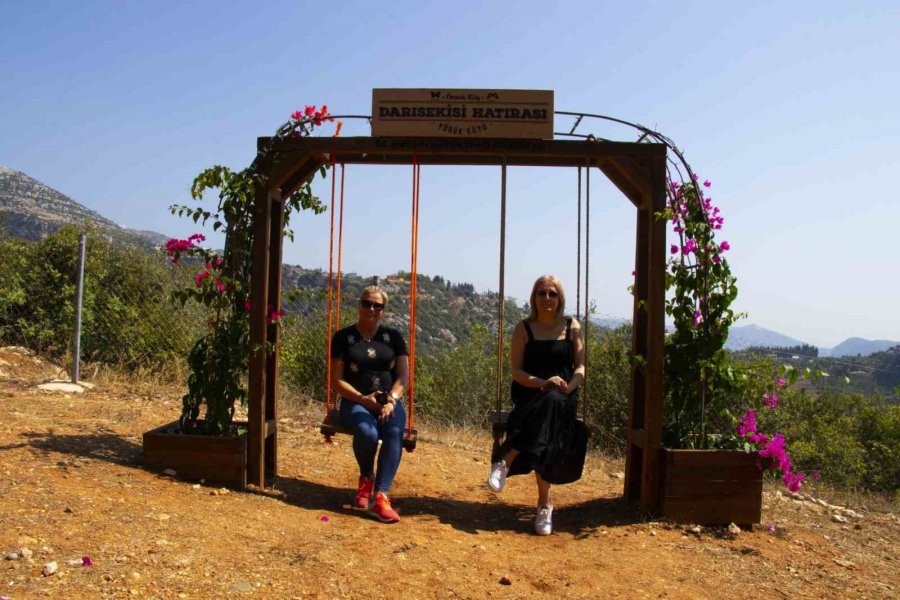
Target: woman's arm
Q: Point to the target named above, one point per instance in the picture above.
(347, 391)
(517, 357)
(578, 345)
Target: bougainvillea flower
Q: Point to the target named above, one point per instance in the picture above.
(747, 424)
(698, 318)
(725, 246)
(309, 110)
(673, 248)
(198, 280)
(707, 183)
(780, 382)
(770, 400)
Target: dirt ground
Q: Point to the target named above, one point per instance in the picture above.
(73, 486)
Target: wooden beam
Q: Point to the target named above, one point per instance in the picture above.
(276, 245)
(259, 288)
(634, 453)
(656, 296)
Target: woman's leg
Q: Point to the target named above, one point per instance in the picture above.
(391, 452)
(543, 491)
(365, 435)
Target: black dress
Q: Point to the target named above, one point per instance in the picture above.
(543, 426)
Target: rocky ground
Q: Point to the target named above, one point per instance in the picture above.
(81, 518)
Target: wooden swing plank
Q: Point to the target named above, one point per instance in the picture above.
(332, 426)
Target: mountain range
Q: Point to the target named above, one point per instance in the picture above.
(30, 210)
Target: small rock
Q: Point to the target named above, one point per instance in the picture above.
(170, 472)
(49, 569)
(69, 510)
(838, 519)
(12, 555)
(734, 529)
(653, 533)
(852, 513)
(821, 502)
(696, 530)
(505, 580)
(843, 563)
(26, 553)
(241, 586)
(617, 475)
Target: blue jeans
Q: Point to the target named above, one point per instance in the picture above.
(366, 433)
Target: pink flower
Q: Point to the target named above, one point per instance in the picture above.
(759, 439)
(698, 318)
(219, 285)
(198, 280)
(816, 475)
(274, 316)
(771, 528)
(770, 400)
(747, 424)
(324, 518)
(725, 246)
(690, 246)
(86, 561)
(296, 115)
(309, 110)
(218, 262)
(780, 382)
(707, 183)
(247, 305)
(673, 248)
(793, 481)
(716, 259)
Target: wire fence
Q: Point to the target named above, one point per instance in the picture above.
(130, 322)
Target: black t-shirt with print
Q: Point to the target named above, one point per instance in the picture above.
(368, 365)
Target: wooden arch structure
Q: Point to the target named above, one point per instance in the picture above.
(638, 170)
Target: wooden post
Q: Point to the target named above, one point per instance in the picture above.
(634, 445)
(276, 245)
(655, 350)
(259, 288)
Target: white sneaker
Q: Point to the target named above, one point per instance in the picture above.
(497, 478)
(543, 522)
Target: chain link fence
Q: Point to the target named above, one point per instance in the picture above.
(131, 323)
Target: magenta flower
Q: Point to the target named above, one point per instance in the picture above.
(747, 424)
(793, 481)
(198, 280)
(218, 262)
(725, 246)
(780, 382)
(673, 248)
(86, 561)
(770, 400)
(689, 247)
(219, 285)
(816, 475)
(707, 183)
(698, 318)
(247, 305)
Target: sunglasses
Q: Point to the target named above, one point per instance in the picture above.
(369, 304)
(548, 293)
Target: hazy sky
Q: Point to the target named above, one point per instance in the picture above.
(789, 108)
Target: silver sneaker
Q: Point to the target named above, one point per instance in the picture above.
(497, 479)
(543, 522)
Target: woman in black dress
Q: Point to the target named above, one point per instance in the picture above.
(370, 371)
(542, 433)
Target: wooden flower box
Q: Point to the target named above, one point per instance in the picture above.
(710, 487)
(220, 460)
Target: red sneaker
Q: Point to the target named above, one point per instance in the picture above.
(381, 509)
(364, 492)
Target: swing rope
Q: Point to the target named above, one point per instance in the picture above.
(413, 288)
(328, 399)
(587, 258)
(501, 286)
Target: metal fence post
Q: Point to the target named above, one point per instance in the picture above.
(76, 344)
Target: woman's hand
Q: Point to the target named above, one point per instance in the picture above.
(384, 412)
(555, 383)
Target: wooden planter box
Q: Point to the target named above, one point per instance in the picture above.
(710, 487)
(217, 459)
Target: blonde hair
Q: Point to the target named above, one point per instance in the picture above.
(372, 290)
(532, 301)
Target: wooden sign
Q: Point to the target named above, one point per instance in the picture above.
(462, 113)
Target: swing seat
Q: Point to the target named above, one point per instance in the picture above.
(498, 419)
(332, 426)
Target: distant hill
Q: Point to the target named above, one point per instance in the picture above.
(861, 347)
(30, 210)
(745, 336)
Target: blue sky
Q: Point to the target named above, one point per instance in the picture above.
(789, 108)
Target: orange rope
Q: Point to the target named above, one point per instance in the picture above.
(330, 289)
(413, 290)
(337, 318)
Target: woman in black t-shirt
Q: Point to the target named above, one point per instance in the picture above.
(370, 366)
